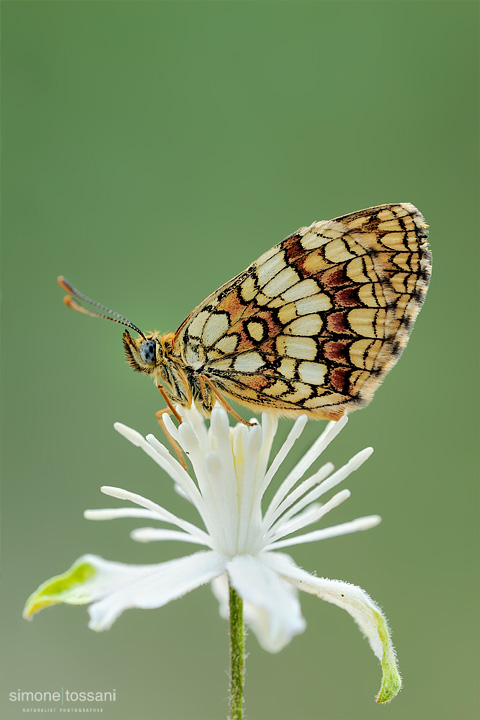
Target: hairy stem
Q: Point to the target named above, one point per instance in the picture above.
(237, 656)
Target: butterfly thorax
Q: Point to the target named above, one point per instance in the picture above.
(155, 355)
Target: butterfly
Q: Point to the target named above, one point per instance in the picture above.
(312, 326)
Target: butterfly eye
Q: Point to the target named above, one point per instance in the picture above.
(148, 352)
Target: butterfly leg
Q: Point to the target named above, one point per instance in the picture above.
(178, 450)
(204, 379)
(159, 415)
(170, 406)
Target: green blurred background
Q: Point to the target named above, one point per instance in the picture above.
(150, 152)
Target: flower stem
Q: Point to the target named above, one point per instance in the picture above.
(237, 656)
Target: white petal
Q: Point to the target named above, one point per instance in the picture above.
(220, 444)
(152, 586)
(187, 438)
(330, 432)
(273, 513)
(269, 429)
(293, 435)
(331, 482)
(160, 455)
(170, 426)
(339, 476)
(321, 443)
(280, 529)
(249, 509)
(178, 473)
(358, 604)
(223, 518)
(194, 417)
(160, 512)
(147, 534)
(274, 615)
(214, 488)
(219, 433)
(129, 433)
(114, 513)
(363, 523)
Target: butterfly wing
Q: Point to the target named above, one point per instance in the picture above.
(316, 322)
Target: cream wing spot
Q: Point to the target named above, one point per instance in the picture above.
(313, 402)
(325, 400)
(196, 326)
(195, 358)
(223, 364)
(405, 209)
(278, 388)
(358, 378)
(394, 240)
(403, 282)
(309, 325)
(321, 233)
(216, 326)
(361, 270)
(315, 262)
(358, 242)
(311, 240)
(287, 367)
(287, 313)
(247, 289)
(262, 299)
(303, 348)
(336, 252)
(312, 373)
(302, 289)
(333, 230)
(267, 270)
(408, 222)
(227, 344)
(248, 362)
(405, 261)
(412, 243)
(384, 215)
(276, 302)
(358, 222)
(371, 295)
(301, 391)
(363, 352)
(389, 226)
(281, 282)
(255, 330)
(368, 322)
(314, 303)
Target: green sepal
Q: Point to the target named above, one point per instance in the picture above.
(391, 680)
(65, 588)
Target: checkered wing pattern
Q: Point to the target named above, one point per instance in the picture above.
(316, 322)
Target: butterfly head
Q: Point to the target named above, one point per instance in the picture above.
(144, 354)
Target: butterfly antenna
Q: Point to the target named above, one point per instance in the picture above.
(74, 305)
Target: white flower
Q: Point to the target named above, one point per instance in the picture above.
(232, 475)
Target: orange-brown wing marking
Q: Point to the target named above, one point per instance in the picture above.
(317, 321)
